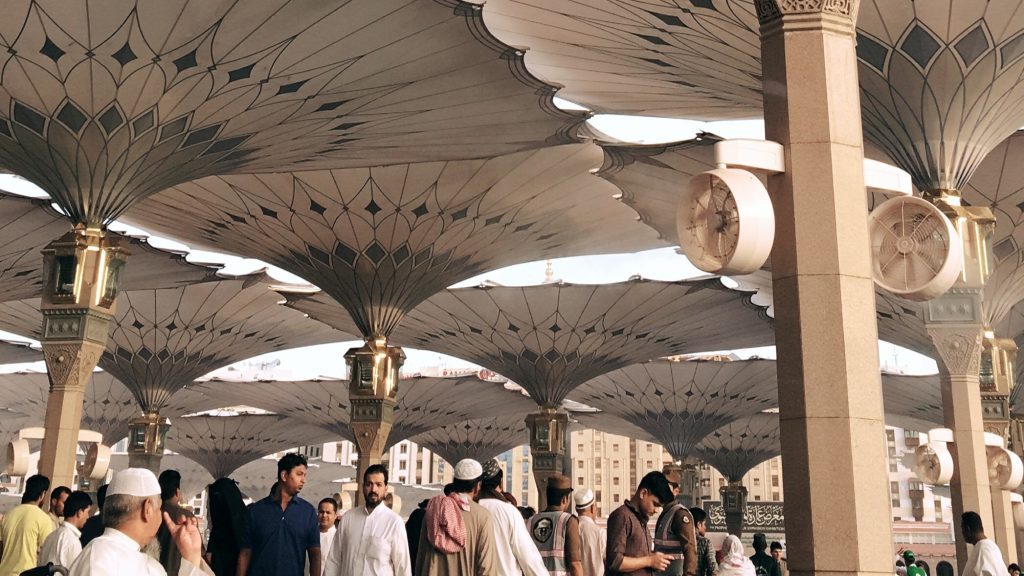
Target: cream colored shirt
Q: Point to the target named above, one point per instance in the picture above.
(594, 539)
(516, 551)
(115, 553)
(62, 546)
(369, 543)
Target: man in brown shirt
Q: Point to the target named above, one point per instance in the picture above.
(629, 542)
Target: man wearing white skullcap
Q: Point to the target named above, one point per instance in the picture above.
(593, 538)
(457, 537)
(131, 517)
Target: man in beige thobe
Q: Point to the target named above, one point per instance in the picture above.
(594, 538)
(457, 537)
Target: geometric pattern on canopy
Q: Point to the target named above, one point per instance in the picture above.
(194, 478)
(424, 403)
(109, 406)
(551, 338)
(480, 438)
(381, 240)
(222, 444)
(162, 340)
(679, 403)
(939, 80)
(27, 225)
(652, 177)
(676, 58)
(105, 103)
(999, 184)
(734, 449)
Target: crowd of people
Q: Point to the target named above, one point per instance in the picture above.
(474, 528)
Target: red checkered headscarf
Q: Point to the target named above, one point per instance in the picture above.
(446, 530)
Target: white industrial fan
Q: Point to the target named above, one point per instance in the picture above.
(725, 222)
(1005, 469)
(933, 464)
(17, 458)
(916, 251)
(96, 463)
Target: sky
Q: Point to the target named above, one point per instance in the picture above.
(661, 264)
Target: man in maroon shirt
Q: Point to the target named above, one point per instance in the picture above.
(629, 542)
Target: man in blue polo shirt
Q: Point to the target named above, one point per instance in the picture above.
(282, 528)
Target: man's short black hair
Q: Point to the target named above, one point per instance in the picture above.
(376, 469)
(289, 461)
(58, 491)
(170, 482)
(555, 494)
(76, 502)
(699, 515)
(776, 545)
(101, 495)
(657, 484)
(35, 487)
(330, 501)
(464, 486)
(971, 523)
(1013, 567)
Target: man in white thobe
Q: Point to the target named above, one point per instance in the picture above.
(985, 558)
(371, 538)
(131, 517)
(64, 544)
(517, 554)
(593, 538)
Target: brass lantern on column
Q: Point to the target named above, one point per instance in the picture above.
(374, 369)
(547, 431)
(147, 434)
(82, 269)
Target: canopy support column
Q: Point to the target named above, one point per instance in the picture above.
(734, 502)
(996, 379)
(373, 387)
(547, 448)
(80, 280)
(826, 334)
(147, 436)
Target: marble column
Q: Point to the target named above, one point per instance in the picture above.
(373, 389)
(80, 280)
(830, 391)
(996, 381)
(547, 448)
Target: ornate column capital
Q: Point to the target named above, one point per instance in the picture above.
(959, 348)
(770, 10)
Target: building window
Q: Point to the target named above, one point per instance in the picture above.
(775, 496)
(597, 495)
(757, 497)
(597, 463)
(579, 447)
(757, 481)
(615, 481)
(775, 480)
(894, 493)
(597, 445)
(649, 465)
(579, 481)
(615, 447)
(403, 448)
(597, 479)
(615, 464)
(580, 464)
(649, 447)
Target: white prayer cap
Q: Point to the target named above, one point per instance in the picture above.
(468, 469)
(134, 482)
(583, 499)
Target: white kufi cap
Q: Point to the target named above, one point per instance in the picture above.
(583, 499)
(134, 482)
(468, 469)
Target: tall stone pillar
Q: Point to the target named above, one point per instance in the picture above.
(81, 271)
(996, 379)
(734, 503)
(147, 436)
(547, 447)
(829, 385)
(955, 324)
(373, 387)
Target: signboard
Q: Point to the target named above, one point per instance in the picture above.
(759, 517)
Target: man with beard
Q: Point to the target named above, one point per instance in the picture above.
(371, 538)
